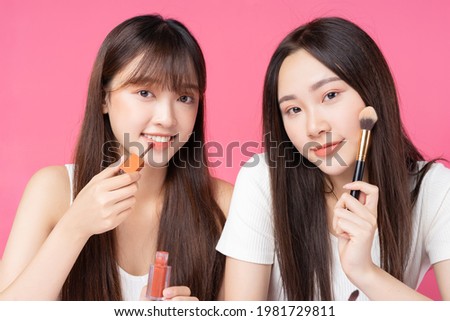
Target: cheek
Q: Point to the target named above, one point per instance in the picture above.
(296, 133)
(125, 123)
(350, 129)
(186, 121)
(117, 113)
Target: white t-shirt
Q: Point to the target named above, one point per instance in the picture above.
(131, 285)
(248, 234)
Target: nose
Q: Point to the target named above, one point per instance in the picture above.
(164, 114)
(316, 123)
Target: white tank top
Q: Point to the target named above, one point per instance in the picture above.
(131, 285)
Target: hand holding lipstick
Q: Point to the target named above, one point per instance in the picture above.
(105, 202)
(158, 288)
(172, 293)
(134, 162)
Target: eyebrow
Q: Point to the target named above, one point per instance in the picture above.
(286, 98)
(314, 87)
(152, 82)
(322, 82)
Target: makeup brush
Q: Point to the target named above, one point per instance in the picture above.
(367, 119)
(353, 296)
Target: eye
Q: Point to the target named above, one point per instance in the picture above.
(330, 95)
(186, 99)
(144, 93)
(294, 110)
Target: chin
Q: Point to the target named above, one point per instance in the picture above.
(333, 167)
(158, 160)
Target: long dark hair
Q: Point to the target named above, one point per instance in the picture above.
(298, 187)
(191, 221)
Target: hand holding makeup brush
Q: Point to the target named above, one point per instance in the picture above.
(367, 119)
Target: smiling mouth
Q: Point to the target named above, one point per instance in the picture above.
(159, 142)
(158, 139)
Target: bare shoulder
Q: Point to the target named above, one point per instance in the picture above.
(48, 191)
(223, 191)
(45, 200)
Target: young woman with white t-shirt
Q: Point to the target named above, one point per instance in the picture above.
(293, 231)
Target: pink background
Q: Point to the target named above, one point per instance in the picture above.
(47, 49)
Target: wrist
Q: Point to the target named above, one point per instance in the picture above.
(361, 278)
(70, 229)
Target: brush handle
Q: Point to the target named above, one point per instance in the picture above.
(357, 176)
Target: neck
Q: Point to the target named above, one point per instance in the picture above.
(151, 183)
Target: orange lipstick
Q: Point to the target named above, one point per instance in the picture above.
(159, 276)
(134, 163)
(326, 150)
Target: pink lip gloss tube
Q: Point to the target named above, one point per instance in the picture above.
(158, 276)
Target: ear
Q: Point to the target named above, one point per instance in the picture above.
(105, 107)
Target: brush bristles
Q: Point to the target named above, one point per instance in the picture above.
(367, 118)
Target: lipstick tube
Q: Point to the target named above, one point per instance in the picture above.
(158, 276)
(134, 163)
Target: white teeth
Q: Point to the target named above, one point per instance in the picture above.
(159, 139)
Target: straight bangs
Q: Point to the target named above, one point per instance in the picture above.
(172, 69)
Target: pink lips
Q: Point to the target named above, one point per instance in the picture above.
(326, 150)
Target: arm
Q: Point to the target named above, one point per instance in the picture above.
(442, 274)
(223, 192)
(47, 235)
(45, 197)
(247, 239)
(377, 284)
(246, 281)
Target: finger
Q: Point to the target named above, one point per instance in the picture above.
(143, 296)
(119, 181)
(175, 291)
(338, 214)
(183, 298)
(111, 170)
(359, 221)
(122, 193)
(348, 202)
(336, 218)
(362, 198)
(371, 191)
(110, 198)
(116, 220)
(346, 228)
(123, 205)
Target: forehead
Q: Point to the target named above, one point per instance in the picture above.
(123, 76)
(301, 70)
(173, 73)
